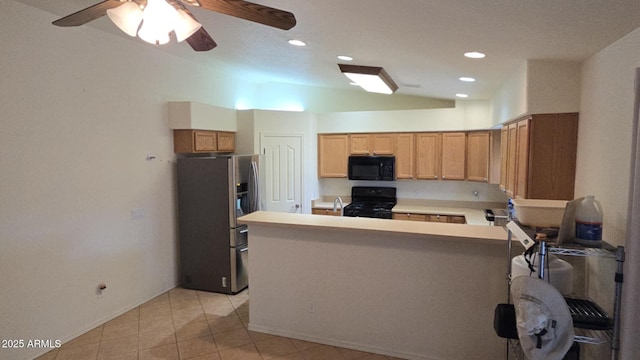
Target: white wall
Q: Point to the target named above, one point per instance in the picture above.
(403, 295)
(466, 115)
(193, 115)
(81, 110)
(538, 87)
(253, 124)
(603, 161)
(276, 96)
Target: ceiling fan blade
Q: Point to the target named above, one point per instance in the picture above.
(201, 41)
(253, 12)
(85, 15)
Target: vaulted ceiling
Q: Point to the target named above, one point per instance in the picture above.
(420, 43)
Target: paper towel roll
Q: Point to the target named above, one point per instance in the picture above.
(560, 272)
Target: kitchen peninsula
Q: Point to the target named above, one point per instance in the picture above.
(414, 290)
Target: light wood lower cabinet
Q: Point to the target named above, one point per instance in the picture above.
(455, 219)
(322, 211)
(409, 216)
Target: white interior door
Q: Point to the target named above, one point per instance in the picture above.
(282, 172)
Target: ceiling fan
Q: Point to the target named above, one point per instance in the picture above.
(121, 11)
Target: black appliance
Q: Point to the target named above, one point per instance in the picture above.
(372, 202)
(212, 193)
(381, 168)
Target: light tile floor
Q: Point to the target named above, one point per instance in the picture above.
(187, 324)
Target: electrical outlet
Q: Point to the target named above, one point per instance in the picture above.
(311, 308)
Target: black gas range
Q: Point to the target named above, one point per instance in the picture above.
(371, 201)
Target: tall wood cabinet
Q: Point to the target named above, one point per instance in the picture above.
(540, 155)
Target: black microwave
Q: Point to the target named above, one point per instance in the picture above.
(381, 168)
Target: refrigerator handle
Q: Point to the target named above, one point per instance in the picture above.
(254, 191)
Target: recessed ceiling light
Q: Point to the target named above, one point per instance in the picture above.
(462, 95)
(466, 79)
(345, 58)
(295, 42)
(474, 55)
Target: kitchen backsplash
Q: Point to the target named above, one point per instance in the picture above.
(422, 189)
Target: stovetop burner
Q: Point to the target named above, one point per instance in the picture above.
(375, 202)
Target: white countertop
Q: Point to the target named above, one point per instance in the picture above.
(473, 216)
(490, 234)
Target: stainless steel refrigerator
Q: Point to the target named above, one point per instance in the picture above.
(212, 193)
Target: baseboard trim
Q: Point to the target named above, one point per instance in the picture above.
(338, 343)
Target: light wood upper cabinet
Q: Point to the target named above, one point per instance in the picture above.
(333, 155)
(512, 146)
(428, 155)
(372, 144)
(226, 141)
(478, 145)
(405, 159)
(504, 147)
(553, 144)
(202, 141)
(383, 144)
(453, 155)
(539, 156)
(359, 144)
(522, 158)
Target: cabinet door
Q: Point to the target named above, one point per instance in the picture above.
(478, 156)
(504, 146)
(428, 154)
(512, 146)
(409, 216)
(330, 212)
(405, 156)
(457, 219)
(522, 159)
(360, 144)
(226, 141)
(453, 155)
(438, 218)
(333, 154)
(204, 141)
(553, 140)
(383, 144)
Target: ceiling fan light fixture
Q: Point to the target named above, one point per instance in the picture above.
(185, 25)
(127, 17)
(370, 78)
(158, 20)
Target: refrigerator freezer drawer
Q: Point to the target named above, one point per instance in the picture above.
(238, 236)
(239, 268)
